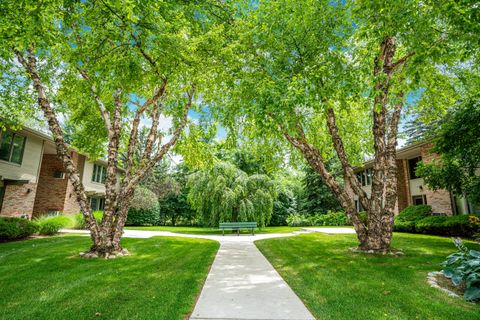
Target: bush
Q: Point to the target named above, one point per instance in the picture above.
(296, 220)
(406, 219)
(79, 221)
(142, 217)
(144, 208)
(460, 226)
(51, 225)
(331, 219)
(16, 228)
(463, 267)
(327, 219)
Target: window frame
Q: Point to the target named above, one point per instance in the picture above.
(411, 170)
(99, 173)
(11, 147)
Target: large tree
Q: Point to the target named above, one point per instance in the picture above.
(112, 66)
(332, 79)
(225, 193)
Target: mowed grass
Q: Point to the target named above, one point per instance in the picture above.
(337, 284)
(206, 230)
(46, 279)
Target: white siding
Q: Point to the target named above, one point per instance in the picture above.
(92, 186)
(29, 168)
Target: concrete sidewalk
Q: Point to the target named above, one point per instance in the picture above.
(242, 284)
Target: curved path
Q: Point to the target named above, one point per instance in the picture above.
(241, 284)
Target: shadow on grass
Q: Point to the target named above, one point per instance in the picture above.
(338, 284)
(46, 279)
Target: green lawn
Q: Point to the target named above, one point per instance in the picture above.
(202, 230)
(337, 284)
(46, 279)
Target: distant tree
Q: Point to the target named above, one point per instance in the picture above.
(317, 196)
(289, 189)
(226, 193)
(457, 140)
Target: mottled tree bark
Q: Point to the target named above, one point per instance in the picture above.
(376, 233)
(106, 236)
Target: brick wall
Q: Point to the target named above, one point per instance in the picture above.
(19, 200)
(440, 200)
(56, 194)
(403, 192)
(51, 190)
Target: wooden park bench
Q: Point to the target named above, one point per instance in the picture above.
(237, 226)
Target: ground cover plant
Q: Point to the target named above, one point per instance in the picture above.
(46, 279)
(335, 283)
(463, 268)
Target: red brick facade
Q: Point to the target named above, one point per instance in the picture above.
(440, 200)
(54, 193)
(19, 200)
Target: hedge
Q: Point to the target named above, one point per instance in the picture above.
(407, 218)
(458, 226)
(142, 217)
(327, 219)
(16, 228)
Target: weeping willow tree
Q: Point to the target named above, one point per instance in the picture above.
(225, 193)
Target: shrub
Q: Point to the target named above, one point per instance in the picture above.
(143, 209)
(463, 267)
(51, 225)
(461, 225)
(79, 221)
(16, 228)
(327, 219)
(331, 219)
(405, 221)
(296, 220)
(141, 217)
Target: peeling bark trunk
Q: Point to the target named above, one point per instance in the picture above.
(107, 235)
(375, 235)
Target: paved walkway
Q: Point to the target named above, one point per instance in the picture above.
(242, 284)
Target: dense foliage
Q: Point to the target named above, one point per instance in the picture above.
(51, 225)
(457, 140)
(321, 219)
(463, 267)
(16, 228)
(143, 209)
(317, 197)
(226, 193)
(406, 219)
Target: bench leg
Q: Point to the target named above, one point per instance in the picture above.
(223, 232)
(253, 232)
(238, 232)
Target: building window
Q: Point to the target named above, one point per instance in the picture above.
(412, 165)
(99, 173)
(419, 200)
(365, 177)
(97, 204)
(12, 146)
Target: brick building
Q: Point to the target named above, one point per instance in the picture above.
(32, 178)
(411, 189)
